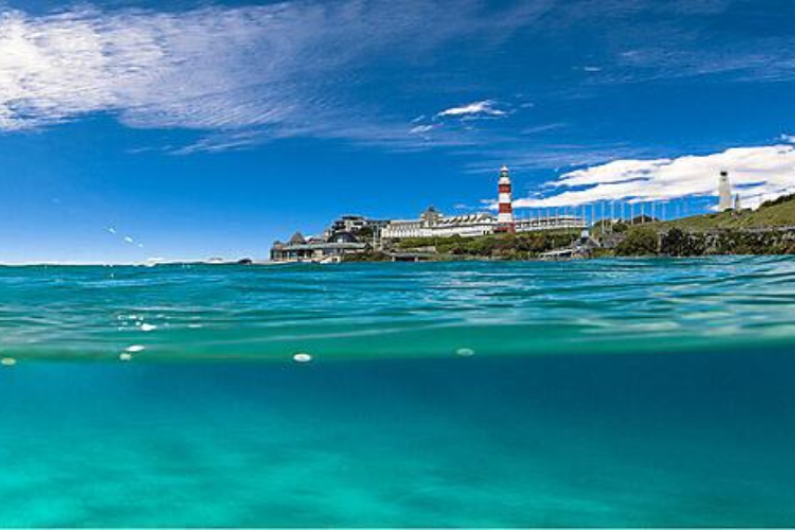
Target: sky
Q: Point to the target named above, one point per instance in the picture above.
(130, 131)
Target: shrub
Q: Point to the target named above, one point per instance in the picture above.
(620, 227)
(639, 242)
(779, 200)
(367, 256)
(677, 242)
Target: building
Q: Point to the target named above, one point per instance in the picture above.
(724, 192)
(358, 225)
(583, 247)
(365, 229)
(550, 222)
(356, 233)
(318, 250)
(433, 223)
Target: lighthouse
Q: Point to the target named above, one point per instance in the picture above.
(724, 192)
(505, 222)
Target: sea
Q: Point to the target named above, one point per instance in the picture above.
(620, 393)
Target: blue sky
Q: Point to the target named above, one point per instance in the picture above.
(130, 131)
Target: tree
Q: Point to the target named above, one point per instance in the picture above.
(639, 242)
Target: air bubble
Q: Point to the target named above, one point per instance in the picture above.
(302, 358)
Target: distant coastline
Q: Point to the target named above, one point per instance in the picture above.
(553, 232)
(769, 230)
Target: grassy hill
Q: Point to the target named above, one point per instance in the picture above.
(777, 213)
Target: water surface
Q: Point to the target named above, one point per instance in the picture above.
(600, 393)
(194, 312)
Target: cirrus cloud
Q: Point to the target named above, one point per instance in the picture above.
(477, 109)
(285, 69)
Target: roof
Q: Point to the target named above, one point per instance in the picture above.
(297, 239)
(342, 236)
(473, 218)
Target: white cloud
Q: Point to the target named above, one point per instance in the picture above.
(199, 69)
(757, 174)
(283, 69)
(478, 108)
(421, 129)
(789, 138)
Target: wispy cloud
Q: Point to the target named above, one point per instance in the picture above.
(126, 239)
(757, 173)
(260, 72)
(246, 75)
(477, 109)
(421, 129)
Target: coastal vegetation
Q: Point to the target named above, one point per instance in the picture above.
(767, 230)
(642, 241)
(526, 245)
(367, 256)
(777, 213)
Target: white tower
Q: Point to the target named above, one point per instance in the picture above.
(724, 192)
(505, 218)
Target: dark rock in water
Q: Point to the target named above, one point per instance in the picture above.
(245, 261)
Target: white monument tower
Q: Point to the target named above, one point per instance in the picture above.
(724, 192)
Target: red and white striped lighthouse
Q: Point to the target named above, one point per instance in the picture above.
(505, 222)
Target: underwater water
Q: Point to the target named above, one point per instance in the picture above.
(593, 393)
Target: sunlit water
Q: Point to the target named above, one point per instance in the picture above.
(619, 393)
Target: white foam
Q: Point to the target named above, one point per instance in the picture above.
(135, 348)
(148, 327)
(8, 361)
(125, 356)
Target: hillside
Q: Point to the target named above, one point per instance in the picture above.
(778, 213)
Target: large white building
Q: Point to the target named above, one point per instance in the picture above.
(433, 224)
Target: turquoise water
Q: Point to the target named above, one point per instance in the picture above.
(618, 393)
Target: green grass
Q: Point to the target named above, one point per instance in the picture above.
(778, 213)
(500, 246)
